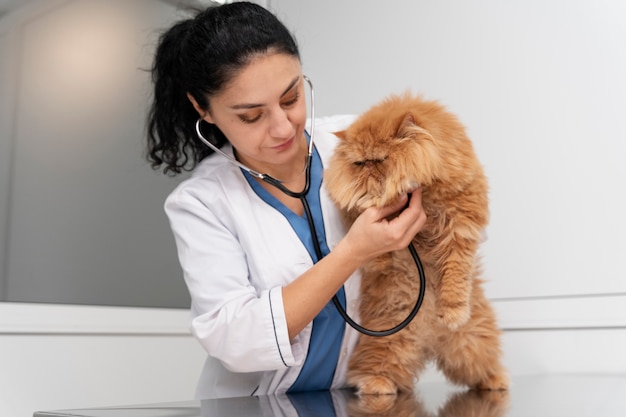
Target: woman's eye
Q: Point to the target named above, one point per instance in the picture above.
(245, 118)
(249, 119)
(291, 101)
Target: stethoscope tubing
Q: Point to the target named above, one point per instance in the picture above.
(309, 216)
(403, 323)
(342, 311)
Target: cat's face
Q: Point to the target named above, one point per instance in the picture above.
(379, 159)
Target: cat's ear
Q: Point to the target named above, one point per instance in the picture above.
(341, 134)
(407, 127)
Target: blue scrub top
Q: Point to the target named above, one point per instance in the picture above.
(328, 326)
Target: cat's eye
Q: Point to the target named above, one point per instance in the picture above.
(370, 162)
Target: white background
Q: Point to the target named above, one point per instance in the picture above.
(541, 87)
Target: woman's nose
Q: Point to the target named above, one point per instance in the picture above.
(280, 125)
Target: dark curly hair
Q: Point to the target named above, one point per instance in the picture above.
(200, 56)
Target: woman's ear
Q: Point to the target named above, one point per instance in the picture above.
(203, 113)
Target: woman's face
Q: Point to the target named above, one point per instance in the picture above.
(262, 112)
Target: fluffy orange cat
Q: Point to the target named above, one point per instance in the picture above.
(400, 142)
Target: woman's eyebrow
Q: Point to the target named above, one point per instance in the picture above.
(253, 105)
(291, 85)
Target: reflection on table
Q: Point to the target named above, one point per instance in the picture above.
(345, 403)
(529, 396)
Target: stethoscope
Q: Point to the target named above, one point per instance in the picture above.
(307, 211)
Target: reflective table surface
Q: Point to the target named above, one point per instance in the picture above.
(529, 396)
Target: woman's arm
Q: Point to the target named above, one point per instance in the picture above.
(241, 325)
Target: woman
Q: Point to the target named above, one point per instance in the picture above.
(260, 297)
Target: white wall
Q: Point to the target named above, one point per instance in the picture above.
(540, 86)
(60, 356)
(7, 46)
(81, 212)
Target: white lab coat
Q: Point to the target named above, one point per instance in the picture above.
(236, 252)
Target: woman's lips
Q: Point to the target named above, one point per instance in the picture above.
(285, 145)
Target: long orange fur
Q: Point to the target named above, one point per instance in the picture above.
(402, 141)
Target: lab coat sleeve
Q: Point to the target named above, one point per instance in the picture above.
(242, 326)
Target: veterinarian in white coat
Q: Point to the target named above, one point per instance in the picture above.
(260, 299)
(240, 320)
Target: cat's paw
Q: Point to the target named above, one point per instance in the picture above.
(375, 385)
(497, 382)
(454, 316)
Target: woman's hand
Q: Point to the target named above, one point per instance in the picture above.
(376, 231)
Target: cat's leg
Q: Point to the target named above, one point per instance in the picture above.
(471, 355)
(456, 228)
(455, 284)
(386, 365)
(457, 267)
